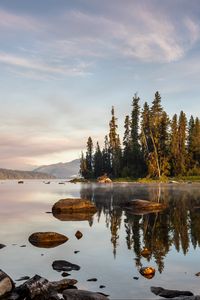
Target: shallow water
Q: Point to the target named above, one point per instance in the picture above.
(113, 239)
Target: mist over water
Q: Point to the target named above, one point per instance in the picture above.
(113, 238)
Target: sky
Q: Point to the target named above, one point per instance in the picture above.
(63, 64)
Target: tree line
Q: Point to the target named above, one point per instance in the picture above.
(153, 145)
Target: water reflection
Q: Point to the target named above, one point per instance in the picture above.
(178, 225)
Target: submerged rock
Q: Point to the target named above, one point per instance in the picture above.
(6, 284)
(20, 182)
(72, 294)
(144, 206)
(78, 235)
(169, 293)
(63, 265)
(23, 278)
(71, 205)
(147, 272)
(47, 239)
(74, 216)
(92, 279)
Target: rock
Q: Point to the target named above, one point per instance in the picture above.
(92, 279)
(73, 205)
(74, 216)
(143, 206)
(2, 246)
(102, 286)
(136, 278)
(41, 288)
(197, 274)
(65, 274)
(6, 284)
(72, 294)
(104, 179)
(23, 278)
(187, 298)
(47, 239)
(146, 252)
(23, 246)
(147, 272)
(20, 182)
(75, 252)
(169, 293)
(78, 235)
(63, 265)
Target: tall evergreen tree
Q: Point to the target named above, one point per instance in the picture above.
(106, 158)
(182, 158)
(89, 158)
(127, 148)
(174, 145)
(136, 155)
(83, 167)
(114, 145)
(98, 162)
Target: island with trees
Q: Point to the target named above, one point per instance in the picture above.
(153, 146)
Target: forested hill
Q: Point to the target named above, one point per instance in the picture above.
(15, 174)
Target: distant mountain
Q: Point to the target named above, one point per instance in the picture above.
(61, 170)
(15, 174)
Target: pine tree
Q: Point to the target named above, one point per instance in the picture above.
(136, 155)
(106, 158)
(145, 138)
(114, 146)
(127, 148)
(83, 167)
(174, 145)
(98, 162)
(89, 158)
(182, 158)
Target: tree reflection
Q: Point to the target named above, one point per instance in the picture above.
(178, 226)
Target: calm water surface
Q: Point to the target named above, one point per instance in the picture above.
(113, 239)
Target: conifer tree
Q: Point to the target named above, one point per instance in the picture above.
(114, 145)
(89, 158)
(98, 163)
(127, 148)
(174, 145)
(83, 167)
(106, 158)
(136, 155)
(182, 158)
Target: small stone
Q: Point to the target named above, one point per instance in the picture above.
(197, 274)
(23, 246)
(2, 246)
(136, 278)
(65, 274)
(63, 265)
(75, 252)
(92, 279)
(78, 235)
(102, 286)
(147, 272)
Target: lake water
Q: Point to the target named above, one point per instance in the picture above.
(110, 249)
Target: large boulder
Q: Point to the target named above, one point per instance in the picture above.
(73, 205)
(147, 272)
(47, 239)
(71, 294)
(6, 284)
